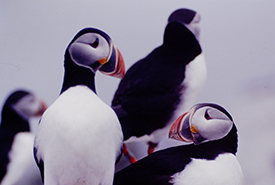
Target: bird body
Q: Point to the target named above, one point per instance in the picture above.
(211, 159)
(86, 132)
(191, 85)
(17, 165)
(179, 166)
(164, 83)
(22, 169)
(79, 137)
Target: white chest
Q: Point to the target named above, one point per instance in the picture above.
(79, 113)
(79, 138)
(224, 170)
(195, 76)
(22, 168)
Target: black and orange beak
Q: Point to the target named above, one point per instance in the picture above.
(181, 124)
(182, 129)
(114, 65)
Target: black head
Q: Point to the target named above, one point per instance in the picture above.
(19, 107)
(177, 36)
(91, 50)
(182, 15)
(206, 123)
(188, 18)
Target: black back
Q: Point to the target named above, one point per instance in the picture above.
(158, 167)
(149, 93)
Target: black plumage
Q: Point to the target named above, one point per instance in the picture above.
(79, 137)
(150, 91)
(159, 167)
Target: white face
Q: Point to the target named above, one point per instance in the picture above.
(28, 106)
(194, 26)
(88, 49)
(211, 123)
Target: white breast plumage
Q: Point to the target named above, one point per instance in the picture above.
(195, 76)
(79, 130)
(225, 169)
(22, 168)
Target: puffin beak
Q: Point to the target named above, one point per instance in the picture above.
(115, 65)
(42, 109)
(181, 129)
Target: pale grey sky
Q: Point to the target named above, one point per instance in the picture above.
(237, 37)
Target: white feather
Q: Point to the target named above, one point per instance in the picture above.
(195, 76)
(79, 138)
(224, 170)
(22, 169)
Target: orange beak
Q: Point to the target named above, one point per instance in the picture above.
(180, 130)
(119, 71)
(115, 66)
(42, 109)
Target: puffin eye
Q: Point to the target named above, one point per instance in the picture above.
(95, 43)
(207, 116)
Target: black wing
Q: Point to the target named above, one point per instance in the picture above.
(156, 168)
(6, 139)
(149, 93)
(40, 164)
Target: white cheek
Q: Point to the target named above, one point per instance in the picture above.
(27, 107)
(214, 129)
(82, 54)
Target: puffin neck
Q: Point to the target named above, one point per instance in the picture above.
(212, 149)
(178, 38)
(11, 120)
(77, 75)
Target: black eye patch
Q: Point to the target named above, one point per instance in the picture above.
(207, 116)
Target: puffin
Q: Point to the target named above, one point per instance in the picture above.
(209, 158)
(157, 88)
(79, 138)
(17, 165)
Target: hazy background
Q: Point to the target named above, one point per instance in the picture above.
(237, 38)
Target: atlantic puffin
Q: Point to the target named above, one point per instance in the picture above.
(17, 165)
(209, 160)
(79, 137)
(157, 88)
